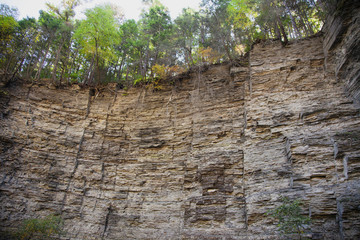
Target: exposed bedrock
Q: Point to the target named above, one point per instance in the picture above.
(203, 159)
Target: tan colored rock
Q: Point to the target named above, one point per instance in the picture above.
(204, 159)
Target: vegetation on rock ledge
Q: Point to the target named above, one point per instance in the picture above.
(44, 228)
(290, 221)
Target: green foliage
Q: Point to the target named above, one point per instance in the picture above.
(242, 13)
(97, 34)
(282, 19)
(187, 27)
(66, 10)
(139, 80)
(40, 229)
(104, 48)
(157, 23)
(7, 28)
(217, 29)
(49, 23)
(8, 25)
(289, 218)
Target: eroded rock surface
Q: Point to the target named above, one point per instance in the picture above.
(203, 159)
(342, 45)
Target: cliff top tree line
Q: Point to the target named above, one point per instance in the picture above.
(104, 47)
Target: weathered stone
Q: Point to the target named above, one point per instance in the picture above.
(342, 45)
(204, 159)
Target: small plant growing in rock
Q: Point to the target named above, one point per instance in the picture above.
(40, 229)
(290, 221)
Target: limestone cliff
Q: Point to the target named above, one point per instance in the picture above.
(204, 158)
(341, 45)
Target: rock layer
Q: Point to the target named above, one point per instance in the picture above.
(341, 45)
(205, 158)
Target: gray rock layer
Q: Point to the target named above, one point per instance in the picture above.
(203, 159)
(341, 45)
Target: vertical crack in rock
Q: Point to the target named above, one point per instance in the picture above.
(76, 161)
(289, 160)
(91, 94)
(104, 132)
(250, 75)
(111, 104)
(82, 199)
(345, 165)
(336, 151)
(76, 164)
(244, 196)
(339, 218)
(106, 224)
(245, 119)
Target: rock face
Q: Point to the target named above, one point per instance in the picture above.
(341, 45)
(203, 159)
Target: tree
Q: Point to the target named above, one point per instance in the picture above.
(216, 22)
(24, 42)
(158, 27)
(242, 14)
(49, 26)
(281, 19)
(187, 27)
(128, 48)
(103, 47)
(8, 26)
(17, 44)
(65, 12)
(97, 35)
(289, 217)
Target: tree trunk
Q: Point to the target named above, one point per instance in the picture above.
(277, 31)
(282, 29)
(127, 75)
(120, 68)
(17, 69)
(72, 64)
(308, 23)
(53, 77)
(297, 32)
(190, 60)
(97, 60)
(145, 63)
(28, 75)
(9, 63)
(87, 75)
(226, 47)
(57, 58)
(302, 21)
(25, 52)
(38, 74)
